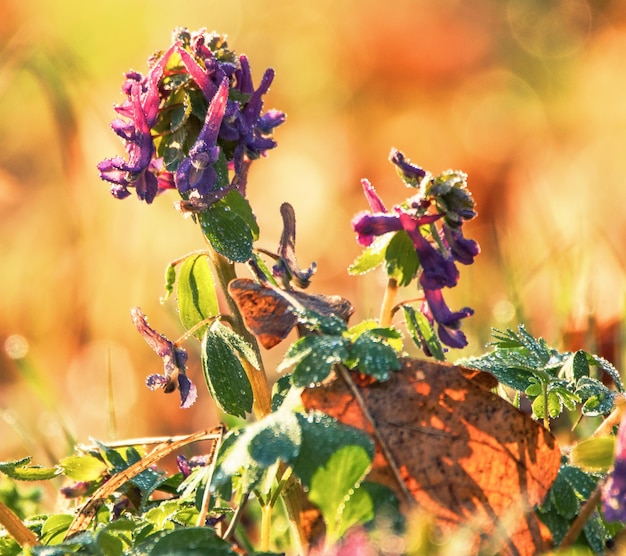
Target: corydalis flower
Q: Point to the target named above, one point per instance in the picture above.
(174, 375)
(194, 112)
(432, 219)
(614, 490)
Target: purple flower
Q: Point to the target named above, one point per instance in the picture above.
(438, 271)
(410, 173)
(448, 323)
(164, 110)
(141, 107)
(614, 490)
(174, 362)
(462, 249)
(187, 465)
(196, 171)
(252, 129)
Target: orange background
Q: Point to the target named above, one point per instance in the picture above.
(526, 97)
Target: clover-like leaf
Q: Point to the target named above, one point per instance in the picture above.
(401, 260)
(312, 358)
(373, 356)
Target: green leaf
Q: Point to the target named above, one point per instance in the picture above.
(334, 483)
(280, 390)
(371, 257)
(392, 336)
(170, 279)
(82, 468)
(596, 534)
(277, 436)
(369, 501)
(597, 398)
(322, 436)
(607, 368)
(594, 454)
(190, 541)
(54, 528)
(250, 451)
(564, 498)
(224, 374)
(172, 149)
(313, 357)
(236, 342)
(227, 232)
(583, 483)
(197, 299)
(240, 206)
(422, 332)
(234, 459)
(401, 260)
(535, 388)
(373, 356)
(333, 460)
(21, 471)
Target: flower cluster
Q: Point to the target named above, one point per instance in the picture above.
(433, 220)
(192, 118)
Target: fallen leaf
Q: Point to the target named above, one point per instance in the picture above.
(269, 315)
(463, 454)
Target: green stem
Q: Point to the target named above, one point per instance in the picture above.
(546, 412)
(293, 495)
(389, 299)
(266, 527)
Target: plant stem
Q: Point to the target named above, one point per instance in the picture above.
(225, 271)
(386, 309)
(293, 495)
(266, 527)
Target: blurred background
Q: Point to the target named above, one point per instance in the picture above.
(526, 96)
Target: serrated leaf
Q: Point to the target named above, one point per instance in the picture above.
(583, 483)
(82, 468)
(196, 295)
(607, 368)
(596, 534)
(564, 498)
(224, 374)
(227, 232)
(597, 398)
(313, 357)
(371, 257)
(401, 260)
(422, 332)
(594, 454)
(373, 356)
